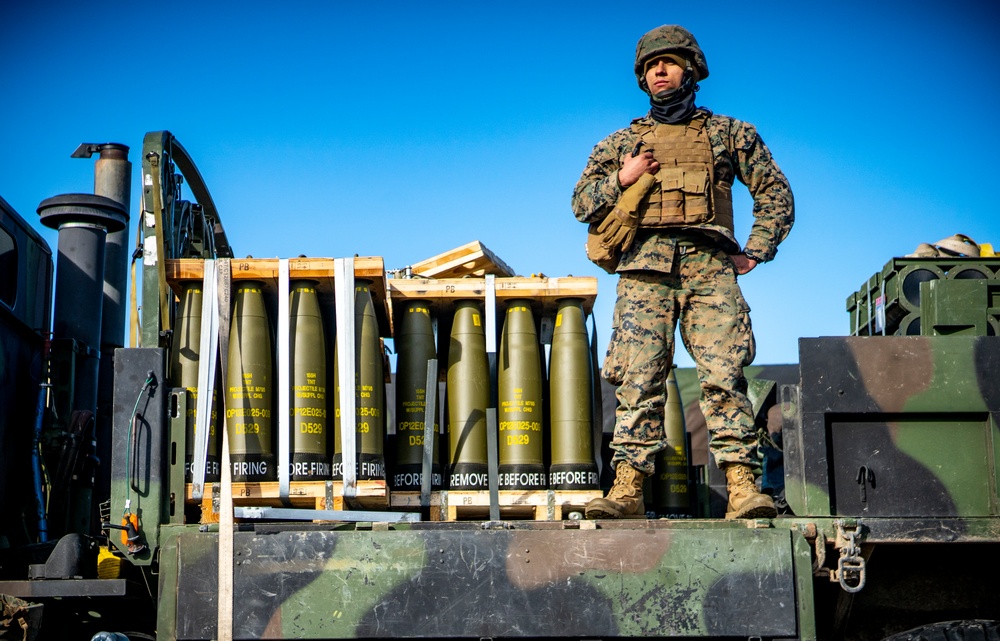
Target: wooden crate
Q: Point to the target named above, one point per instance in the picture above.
(321, 270)
(314, 495)
(537, 505)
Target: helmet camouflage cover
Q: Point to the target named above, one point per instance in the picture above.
(669, 39)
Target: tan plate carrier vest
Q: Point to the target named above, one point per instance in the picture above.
(685, 192)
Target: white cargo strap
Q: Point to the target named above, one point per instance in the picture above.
(226, 519)
(284, 404)
(207, 361)
(430, 412)
(226, 525)
(492, 447)
(343, 285)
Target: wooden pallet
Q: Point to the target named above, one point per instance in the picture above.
(315, 495)
(537, 505)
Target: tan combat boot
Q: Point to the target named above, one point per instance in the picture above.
(745, 502)
(623, 499)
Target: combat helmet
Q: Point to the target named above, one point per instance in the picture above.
(668, 39)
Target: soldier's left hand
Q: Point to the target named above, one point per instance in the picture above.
(742, 263)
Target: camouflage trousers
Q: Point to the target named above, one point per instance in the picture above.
(700, 293)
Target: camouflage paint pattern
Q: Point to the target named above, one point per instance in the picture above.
(663, 580)
(739, 154)
(703, 296)
(919, 414)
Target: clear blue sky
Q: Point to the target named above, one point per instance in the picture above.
(406, 129)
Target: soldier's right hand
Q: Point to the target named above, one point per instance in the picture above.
(635, 166)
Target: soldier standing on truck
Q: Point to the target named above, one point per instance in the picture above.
(659, 200)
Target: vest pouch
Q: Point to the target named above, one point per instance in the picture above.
(607, 258)
(722, 206)
(682, 199)
(671, 179)
(667, 198)
(695, 182)
(696, 206)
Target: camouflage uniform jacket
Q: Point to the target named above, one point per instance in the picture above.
(739, 153)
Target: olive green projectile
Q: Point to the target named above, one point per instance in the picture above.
(184, 373)
(414, 347)
(671, 495)
(369, 397)
(468, 397)
(250, 387)
(519, 401)
(308, 394)
(187, 337)
(571, 398)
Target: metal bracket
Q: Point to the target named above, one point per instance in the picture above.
(820, 559)
(86, 150)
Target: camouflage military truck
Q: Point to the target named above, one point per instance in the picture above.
(118, 503)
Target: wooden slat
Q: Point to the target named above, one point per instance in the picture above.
(371, 267)
(304, 494)
(471, 259)
(543, 291)
(301, 491)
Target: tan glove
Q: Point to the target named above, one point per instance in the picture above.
(617, 231)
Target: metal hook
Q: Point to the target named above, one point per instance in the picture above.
(865, 477)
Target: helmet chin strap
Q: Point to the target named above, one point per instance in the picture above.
(687, 85)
